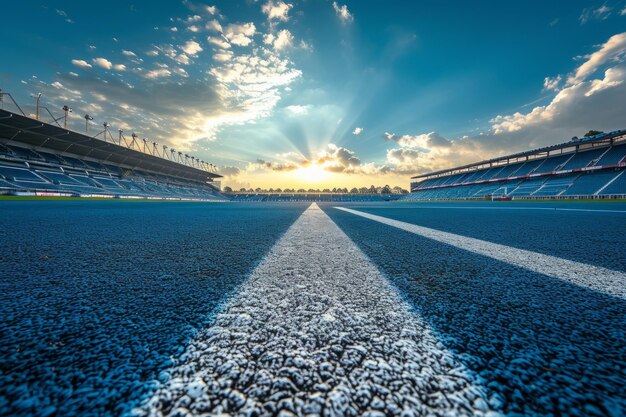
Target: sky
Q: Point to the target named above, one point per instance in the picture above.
(317, 93)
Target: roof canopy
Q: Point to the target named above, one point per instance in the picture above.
(539, 152)
(36, 134)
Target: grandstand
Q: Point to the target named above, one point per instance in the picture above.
(591, 167)
(42, 159)
(312, 197)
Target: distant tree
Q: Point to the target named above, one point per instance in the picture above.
(302, 190)
(386, 190)
(258, 189)
(363, 190)
(271, 190)
(242, 190)
(575, 138)
(592, 133)
(372, 190)
(354, 190)
(278, 190)
(228, 189)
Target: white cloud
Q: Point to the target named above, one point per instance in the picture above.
(81, 63)
(623, 12)
(551, 83)
(103, 63)
(613, 77)
(240, 34)
(338, 159)
(191, 47)
(404, 160)
(212, 10)
(577, 108)
(278, 10)
(251, 83)
(268, 39)
(214, 25)
(194, 19)
(612, 49)
(305, 45)
(357, 131)
(283, 40)
(223, 56)
(219, 42)
(423, 142)
(297, 109)
(167, 103)
(343, 13)
(182, 59)
(601, 13)
(158, 73)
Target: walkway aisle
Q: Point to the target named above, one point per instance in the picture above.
(317, 330)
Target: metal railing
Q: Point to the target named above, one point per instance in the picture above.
(133, 142)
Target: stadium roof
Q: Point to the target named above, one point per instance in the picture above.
(545, 150)
(34, 133)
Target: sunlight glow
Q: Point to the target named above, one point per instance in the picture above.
(311, 173)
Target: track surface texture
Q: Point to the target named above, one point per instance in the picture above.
(115, 308)
(96, 297)
(545, 346)
(317, 330)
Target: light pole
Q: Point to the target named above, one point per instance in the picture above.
(132, 145)
(67, 110)
(87, 119)
(106, 130)
(119, 139)
(37, 97)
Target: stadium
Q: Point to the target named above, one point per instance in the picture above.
(46, 160)
(331, 222)
(591, 167)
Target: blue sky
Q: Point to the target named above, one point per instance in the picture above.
(315, 92)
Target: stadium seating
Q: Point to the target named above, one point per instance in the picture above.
(617, 186)
(615, 155)
(547, 177)
(25, 171)
(252, 197)
(589, 184)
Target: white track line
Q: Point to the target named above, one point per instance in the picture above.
(317, 330)
(514, 208)
(589, 276)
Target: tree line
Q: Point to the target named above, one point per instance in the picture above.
(362, 190)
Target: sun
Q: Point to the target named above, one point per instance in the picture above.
(311, 173)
